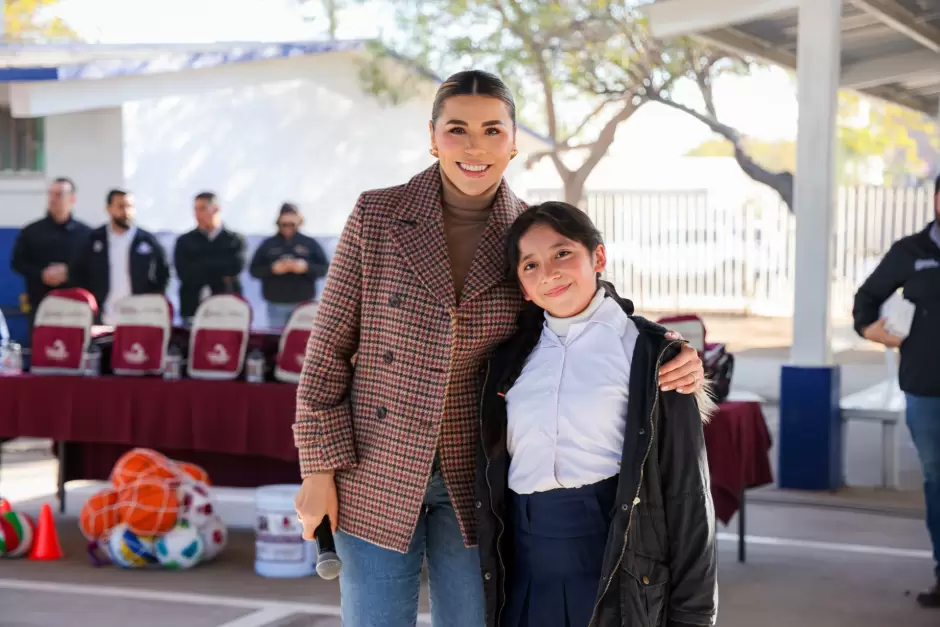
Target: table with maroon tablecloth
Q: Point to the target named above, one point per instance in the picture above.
(239, 432)
(738, 444)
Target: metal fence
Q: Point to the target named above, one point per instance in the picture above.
(690, 251)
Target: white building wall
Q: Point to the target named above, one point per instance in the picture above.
(257, 134)
(305, 133)
(88, 148)
(22, 199)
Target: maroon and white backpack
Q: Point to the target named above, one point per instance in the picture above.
(62, 331)
(717, 361)
(293, 344)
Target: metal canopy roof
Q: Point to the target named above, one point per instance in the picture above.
(890, 48)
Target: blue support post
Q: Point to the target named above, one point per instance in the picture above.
(810, 443)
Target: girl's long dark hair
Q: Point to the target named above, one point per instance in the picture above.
(568, 221)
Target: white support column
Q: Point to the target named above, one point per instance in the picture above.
(819, 55)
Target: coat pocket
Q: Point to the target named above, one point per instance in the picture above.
(644, 591)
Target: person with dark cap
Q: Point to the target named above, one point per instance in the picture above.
(288, 265)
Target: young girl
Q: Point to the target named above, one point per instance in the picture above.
(593, 484)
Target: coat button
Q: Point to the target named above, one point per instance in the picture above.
(487, 576)
(479, 504)
(642, 431)
(380, 413)
(388, 357)
(394, 300)
(625, 507)
(646, 581)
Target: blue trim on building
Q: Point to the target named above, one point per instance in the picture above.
(25, 74)
(810, 438)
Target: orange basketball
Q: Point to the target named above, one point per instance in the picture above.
(149, 506)
(139, 463)
(99, 514)
(194, 471)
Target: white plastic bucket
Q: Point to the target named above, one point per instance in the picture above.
(280, 550)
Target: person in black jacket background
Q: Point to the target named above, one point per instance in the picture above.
(288, 265)
(208, 259)
(119, 259)
(913, 264)
(44, 249)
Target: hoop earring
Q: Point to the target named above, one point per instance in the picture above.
(433, 152)
(513, 154)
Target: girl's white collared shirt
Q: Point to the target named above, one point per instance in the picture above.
(567, 410)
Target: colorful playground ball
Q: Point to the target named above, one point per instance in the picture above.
(180, 547)
(129, 550)
(195, 503)
(16, 534)
(215, 537)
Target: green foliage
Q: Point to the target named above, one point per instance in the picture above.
(579, 68)
(29, 21)
(773, 155)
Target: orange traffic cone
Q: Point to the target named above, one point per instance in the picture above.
(46, 543)
(4, 506)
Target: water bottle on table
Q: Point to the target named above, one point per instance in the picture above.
(254, 367)
(174, 364)
(93, 361)
(11, 359)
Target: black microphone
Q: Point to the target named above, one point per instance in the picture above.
(328, 563)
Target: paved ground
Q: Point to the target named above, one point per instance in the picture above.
(827, 564)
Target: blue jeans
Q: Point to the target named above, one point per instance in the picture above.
(379, 587)
(279, 314)
(923, 419)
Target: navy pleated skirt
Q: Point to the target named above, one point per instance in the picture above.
(559, 540)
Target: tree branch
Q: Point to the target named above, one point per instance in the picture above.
(604, 139)
(548, 90)
(587, 119)
(535, 157)
(781, 182)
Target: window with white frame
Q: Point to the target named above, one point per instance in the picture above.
(21, 143)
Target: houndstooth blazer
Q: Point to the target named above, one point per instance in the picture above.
(389, 301)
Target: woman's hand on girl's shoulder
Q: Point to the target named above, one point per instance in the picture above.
(684, 373)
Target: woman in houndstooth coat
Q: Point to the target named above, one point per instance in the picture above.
(387, 422)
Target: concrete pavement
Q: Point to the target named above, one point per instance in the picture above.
(807, 565)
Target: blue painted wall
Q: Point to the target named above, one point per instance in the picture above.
(11, 284)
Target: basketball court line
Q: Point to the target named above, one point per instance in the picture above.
(290, 607)
(267, 611)
(260, 618)
(863, 549)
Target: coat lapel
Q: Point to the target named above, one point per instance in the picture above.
(489, 265)
(418, 230)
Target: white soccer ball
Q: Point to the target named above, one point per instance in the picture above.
(180, 547)
(196, 503)
(215, 538)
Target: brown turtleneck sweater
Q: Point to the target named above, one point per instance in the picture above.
(465, 219)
